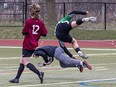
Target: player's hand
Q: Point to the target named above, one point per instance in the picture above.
(87, 12)
(48, 63)
(35, 56)
(41, 64)
(73, 57)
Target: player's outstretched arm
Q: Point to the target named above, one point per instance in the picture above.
(78, 13)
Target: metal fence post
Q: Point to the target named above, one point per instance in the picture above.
(105, 15)
(64, 9)
(25, 9)
(23, 14)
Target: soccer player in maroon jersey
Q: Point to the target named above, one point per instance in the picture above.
(34, 28)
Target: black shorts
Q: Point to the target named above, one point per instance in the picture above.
(62, 32)
(27, 53)
(64, 38)
(63, 28)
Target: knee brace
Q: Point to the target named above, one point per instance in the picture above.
(79, 21)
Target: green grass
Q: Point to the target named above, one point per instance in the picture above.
(11, 23)
(101, 75)
(94, 34)
(80, 34)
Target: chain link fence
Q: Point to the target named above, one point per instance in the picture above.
(11, 14)
(15, 13)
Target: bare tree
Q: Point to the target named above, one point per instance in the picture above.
(51, 12)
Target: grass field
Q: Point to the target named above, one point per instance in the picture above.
(103, 74)
(80, 34)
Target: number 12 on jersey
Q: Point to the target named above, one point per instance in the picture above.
(35, 29)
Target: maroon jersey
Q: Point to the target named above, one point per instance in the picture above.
(33, 30)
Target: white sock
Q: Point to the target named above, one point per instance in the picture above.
(81, 63)
(79, 52)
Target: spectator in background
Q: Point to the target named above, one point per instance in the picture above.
(64, 26)
(34, 28)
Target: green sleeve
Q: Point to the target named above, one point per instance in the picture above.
(63, 20)
(66, 18)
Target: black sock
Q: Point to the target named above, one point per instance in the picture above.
(77, 50)
(20, 70)
(79, 22)
(33, 68)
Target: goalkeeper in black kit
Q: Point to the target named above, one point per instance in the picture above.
(63, 28)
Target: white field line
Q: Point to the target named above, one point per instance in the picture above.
(106, 49)
(104, 64)
(9, 47)
(13, 71)
(57, 68)
(9, 58)
(98, 54)
(63, 83)
(102, 69)
(68, 48)
(99, 67)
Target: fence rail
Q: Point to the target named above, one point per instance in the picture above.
(14, 14)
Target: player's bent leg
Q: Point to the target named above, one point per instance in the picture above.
(36, 71)
(26, 60)
(74, 43)
(74, 24)
(77, 49)
(20, 70)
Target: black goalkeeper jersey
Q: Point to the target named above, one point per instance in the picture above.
(49, 50)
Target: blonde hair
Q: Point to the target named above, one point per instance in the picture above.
(34, 10)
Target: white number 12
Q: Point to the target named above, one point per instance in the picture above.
(35, 29)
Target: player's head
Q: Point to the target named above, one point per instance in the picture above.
(38, 52)
(34, 10)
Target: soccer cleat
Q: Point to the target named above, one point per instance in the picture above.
(14, 81)
(93, 19)
(85, 64)
(41, 77)
(84, 56)
(81, 69)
